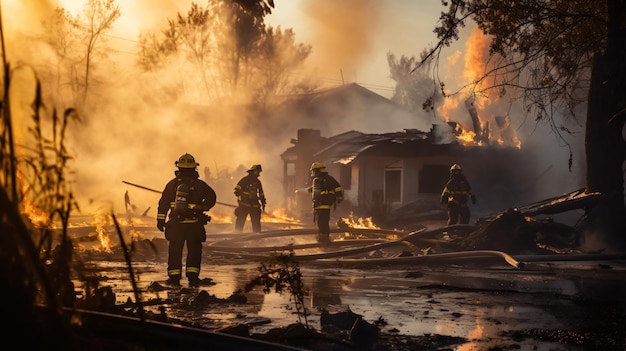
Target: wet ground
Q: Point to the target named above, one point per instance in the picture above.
(465, 304)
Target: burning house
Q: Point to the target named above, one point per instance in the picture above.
(384, 174)
(391, 161)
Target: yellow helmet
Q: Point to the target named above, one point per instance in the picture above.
(255, 168)
(186, 161)
(317, 165)
(455, 167)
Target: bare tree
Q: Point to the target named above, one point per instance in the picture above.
(78, 40)
(552, 52)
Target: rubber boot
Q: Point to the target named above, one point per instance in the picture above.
(173, 280)
(194, 280)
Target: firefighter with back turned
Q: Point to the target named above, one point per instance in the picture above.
(327, 193)
(455, 194)
(250, 200)
(186, 197)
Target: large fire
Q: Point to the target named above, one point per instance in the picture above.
(491, 124)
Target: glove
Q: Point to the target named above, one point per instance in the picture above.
(161, 224)
(205, 218)
(473, 199)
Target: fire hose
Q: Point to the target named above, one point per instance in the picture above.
(225, 247)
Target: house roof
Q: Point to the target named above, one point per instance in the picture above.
(344, 148)
(342, 93)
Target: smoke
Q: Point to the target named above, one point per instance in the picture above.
(136, 125)
(343, 33)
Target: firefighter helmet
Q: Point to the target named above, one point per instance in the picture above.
(186, 161)
(255, 168)
(317, 165)
(455, 167)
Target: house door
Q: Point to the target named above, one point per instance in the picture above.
(393, 186)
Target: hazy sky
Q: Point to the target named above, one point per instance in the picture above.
(350, 38)
(402, 27)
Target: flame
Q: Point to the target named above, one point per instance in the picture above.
(279, 215)
(37, 216)
(476, 58)
(100, 220)
(465, 136)
(488, 111)
(363, 223)
(221, 219)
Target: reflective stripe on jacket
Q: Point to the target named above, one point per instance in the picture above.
(457, 190)
(249, 192)
(326, 191)
(202, 198)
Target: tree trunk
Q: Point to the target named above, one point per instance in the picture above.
(605, 226)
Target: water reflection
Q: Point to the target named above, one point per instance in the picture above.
(324, 292)
(476, 304)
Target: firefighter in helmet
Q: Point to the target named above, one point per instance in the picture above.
(326, 194)
(250, 200)
(455, 194)
(185, 198)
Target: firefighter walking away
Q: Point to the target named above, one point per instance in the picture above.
(185, 199)
(250, 200)
(455, 194)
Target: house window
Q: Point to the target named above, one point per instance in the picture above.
(345, 176)
(393, 185)
(432, 178)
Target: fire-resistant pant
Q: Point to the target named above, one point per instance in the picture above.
(457, 211)
(242, 213)
(178, 234)
(322, 218)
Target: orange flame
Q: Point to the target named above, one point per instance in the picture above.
(364, 223)
(467, 137)
(37, 216)
(488, 109)
(100, 220)
(279, 215)
(221, 219)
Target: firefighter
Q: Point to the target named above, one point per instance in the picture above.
(326, 193)
(250, 200)
(455, 195)
(186, 198)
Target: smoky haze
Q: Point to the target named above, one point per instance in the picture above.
(343, 33)
(136, 124)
